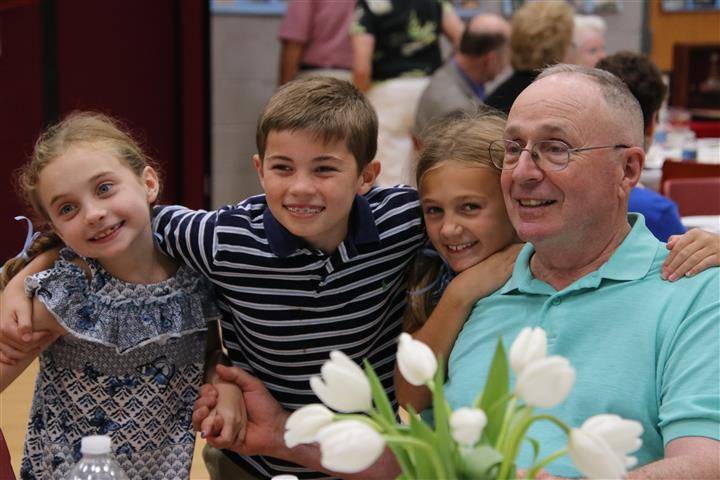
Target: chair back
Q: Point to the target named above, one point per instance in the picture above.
(695, 196)
(672, 169)
(6, 471)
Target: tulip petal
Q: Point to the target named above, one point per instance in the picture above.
(415, 360)
(349, 446)
(343, 385)
(593, 457)
(303, 424)
(546, 382)
(530, 345)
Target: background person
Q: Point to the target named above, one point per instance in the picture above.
(645, 82)
(541, 36)
(459, 84)
(396, 47)
(315, 39)
(588, 45)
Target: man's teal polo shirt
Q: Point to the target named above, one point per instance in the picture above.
(643, 348)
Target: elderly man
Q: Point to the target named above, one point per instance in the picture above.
(590, 276)
(459, 85)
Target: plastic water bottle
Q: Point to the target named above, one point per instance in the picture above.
(97, 463)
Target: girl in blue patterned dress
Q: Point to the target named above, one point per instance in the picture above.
(130, 326)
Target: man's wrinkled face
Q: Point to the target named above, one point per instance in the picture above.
(572, 203)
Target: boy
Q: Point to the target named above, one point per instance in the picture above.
(317, 262)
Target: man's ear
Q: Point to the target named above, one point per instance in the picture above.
(368, 176)
(258, 163)
(632, 163)
(152, 183)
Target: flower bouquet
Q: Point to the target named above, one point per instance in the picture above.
(478, 442)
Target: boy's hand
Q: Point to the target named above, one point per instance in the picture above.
(690, 254)
(225, 424)
(17, 339)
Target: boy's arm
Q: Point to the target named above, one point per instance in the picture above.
(43, 320)
(447, 319)
(186, 235)
(691, 253)
(17, 338)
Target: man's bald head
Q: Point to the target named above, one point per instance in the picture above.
(622, 107)
(489, 23)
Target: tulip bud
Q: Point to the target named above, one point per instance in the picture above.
(343, 386)
(545, 382)
(416, 361)
(530, 345)
(599, 448)
(467, 425)
(303, 424)
(349, 446)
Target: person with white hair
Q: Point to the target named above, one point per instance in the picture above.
(588, 45)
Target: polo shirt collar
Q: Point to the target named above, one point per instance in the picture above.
(361, 230)
(631, 261)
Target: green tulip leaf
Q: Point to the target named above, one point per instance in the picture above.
(418, 429)
(378, 394)
(441, 413)
(480, 462)
(494, 398)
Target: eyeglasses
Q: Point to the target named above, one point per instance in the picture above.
(548, 155)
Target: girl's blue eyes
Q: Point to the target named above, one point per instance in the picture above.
(65, 209)
(104, 188)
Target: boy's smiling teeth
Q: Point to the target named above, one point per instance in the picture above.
(535, 203)
(460, 246)
(305, 210)
(107, 231)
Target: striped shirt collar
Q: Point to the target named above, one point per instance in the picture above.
(362, 230)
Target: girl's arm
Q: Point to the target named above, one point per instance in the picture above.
(442, 327)
(691, 253)
(225, 422)
(43, 320)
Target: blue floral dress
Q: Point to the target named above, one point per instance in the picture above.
(130, 367)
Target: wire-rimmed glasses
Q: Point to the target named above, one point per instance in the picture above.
(548, 155)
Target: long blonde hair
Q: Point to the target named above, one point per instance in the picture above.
(78, 128)
(461, 138)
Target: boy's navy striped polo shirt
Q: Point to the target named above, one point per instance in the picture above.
(289, 304)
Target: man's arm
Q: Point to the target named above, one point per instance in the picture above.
(266, 428)
(363, 45)
(452, 25)
(686, 457)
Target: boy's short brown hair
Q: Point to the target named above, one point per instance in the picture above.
(332, 109)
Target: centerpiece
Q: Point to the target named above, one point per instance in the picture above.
(357, 421)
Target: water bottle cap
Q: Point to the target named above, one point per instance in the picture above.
(95, 445)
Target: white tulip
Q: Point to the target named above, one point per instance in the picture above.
(600, 446)
(416, 361)
(530, 345)
(343, 386)
(467, 425)
(303, 424)
(349, 446)
(545, 382)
